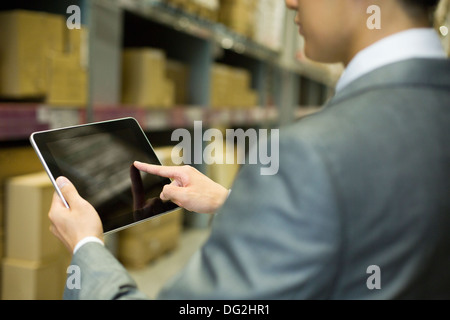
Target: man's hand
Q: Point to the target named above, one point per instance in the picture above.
(79, 221)
(190, 189)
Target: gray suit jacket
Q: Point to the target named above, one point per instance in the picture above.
(360, 208)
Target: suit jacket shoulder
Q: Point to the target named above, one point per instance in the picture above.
(384, 140)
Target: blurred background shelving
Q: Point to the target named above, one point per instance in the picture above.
(184, 31)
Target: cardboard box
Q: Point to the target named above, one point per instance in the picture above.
(225, 173)
(219, 86)
(27, 234)
(164, 155)
(167, 94)
(231, 88)
(1, 258)
(1, 249)
(77, 45)
(238, 16)
(27, 37)
(207, 9)
(144, 81)
(269, 23)
(33, 280)
(178, 73)
(68, 81)
(17, 161)
(13, 162)
(1, 245)
(241, 94)
(250, 99)
(137, 250)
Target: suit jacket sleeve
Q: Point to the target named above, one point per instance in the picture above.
(101, 276)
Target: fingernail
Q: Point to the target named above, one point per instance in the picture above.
(61, 182)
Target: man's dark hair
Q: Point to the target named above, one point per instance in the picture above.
(420, 8)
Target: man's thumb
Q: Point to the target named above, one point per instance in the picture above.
(68, 190)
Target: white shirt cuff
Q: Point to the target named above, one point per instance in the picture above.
(86, 240)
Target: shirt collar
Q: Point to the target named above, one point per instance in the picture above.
(412, 43)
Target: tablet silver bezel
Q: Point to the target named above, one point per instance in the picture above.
(53, 179)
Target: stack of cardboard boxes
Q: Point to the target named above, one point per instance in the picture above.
(39, 58)
(151, 81)
(15, 161)
(178, 73)
(34, 267)
(34, 264)
(27, 38)
(231, 88)
(259, 20)
(225, 173)
(269, 23)
(205, 9)
(239, 16)
(143, 243)
(144, 79)
(27, 270)
(67, 72)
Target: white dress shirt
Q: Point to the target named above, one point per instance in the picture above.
(86, 240)
(412, 43)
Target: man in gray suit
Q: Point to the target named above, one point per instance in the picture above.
(360, 207)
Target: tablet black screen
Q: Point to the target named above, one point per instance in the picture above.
(98, 159)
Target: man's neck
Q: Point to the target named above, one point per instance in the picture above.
(393, 22)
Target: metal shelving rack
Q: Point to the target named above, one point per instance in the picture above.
(277, 76)
(196, 42)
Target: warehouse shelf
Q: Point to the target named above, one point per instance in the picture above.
(227, 39)
(184, 22)
(18, 121)
(193, 41)
(185, 116)
(197, 42)
(164, 14)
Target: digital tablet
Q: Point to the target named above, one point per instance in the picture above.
(98, 159)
